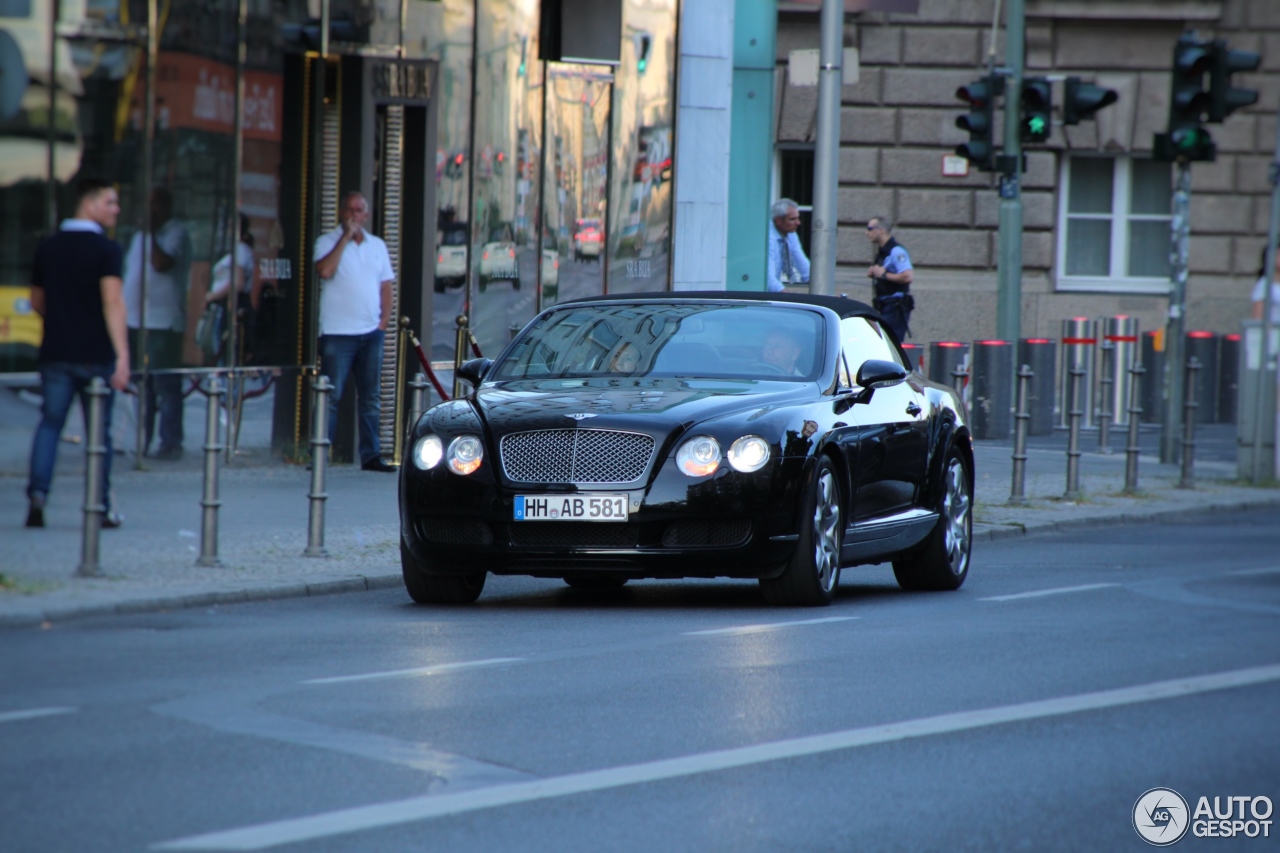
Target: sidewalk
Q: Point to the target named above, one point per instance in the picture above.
(149, 563)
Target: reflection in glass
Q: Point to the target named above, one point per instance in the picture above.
(505, 216)
(639, 221)
(575, 182)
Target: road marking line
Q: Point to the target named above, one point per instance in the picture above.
(1042, 592)
(438, 669)
(380, 815)
(33, 713)
(1271, 570)
(770, 626)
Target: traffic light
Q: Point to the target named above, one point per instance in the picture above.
(499, 160)
(980, 121)
(1223, 98)
(1187, 139)
(1036, 107)
(1080, 100)
(453, 167)
(644, 43)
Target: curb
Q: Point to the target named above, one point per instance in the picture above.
(369, 583)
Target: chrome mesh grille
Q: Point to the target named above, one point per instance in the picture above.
(576, 456)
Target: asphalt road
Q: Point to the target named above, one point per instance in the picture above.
(1029, 710)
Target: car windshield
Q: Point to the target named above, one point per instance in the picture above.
(500, 234)
(687, 340)
(454, 236)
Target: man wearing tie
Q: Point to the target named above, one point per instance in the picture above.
(787, 261)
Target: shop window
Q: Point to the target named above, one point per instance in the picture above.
(1114, 219)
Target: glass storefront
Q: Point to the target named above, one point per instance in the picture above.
(551, 180)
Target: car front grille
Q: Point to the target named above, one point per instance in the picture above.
(576, 456)
(455, 531)
(574, 534)
(712, 533)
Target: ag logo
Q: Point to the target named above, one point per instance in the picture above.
(1161, 816)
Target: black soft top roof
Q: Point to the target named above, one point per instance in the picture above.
(842, 306)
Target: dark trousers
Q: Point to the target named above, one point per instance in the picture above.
(359, 355)
(163, 391)
(60, 383)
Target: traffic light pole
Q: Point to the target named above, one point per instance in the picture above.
(1264, 419)
(1009, 269)
(1180, 235)
(826, 166)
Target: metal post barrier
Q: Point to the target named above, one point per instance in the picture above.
(1135, 423)
(210, 502)
(1203, 347)
(958, 376)
(461, 339)
(1074, 414)
(1078, 344)
(1152, 359)
(95, 504)
(1122, 333)
(1106, 353)
(397, 448)
(1228, 378)
(991, 388)
(513, 329)
(319, 459)
(1041, 355)
(417, 401)
(1189, 406)
(944, 358)
(1021, 422)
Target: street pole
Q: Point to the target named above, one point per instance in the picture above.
(1256, 475)
(1009, 297)
(826, 158)
(1180, 234)
(144, 267)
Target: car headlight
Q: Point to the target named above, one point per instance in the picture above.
(699, 456)
(465, 453)
(749, 453)
(427, 452)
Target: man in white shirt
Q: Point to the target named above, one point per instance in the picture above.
(788, 263)
(355, 308)
(168, 253)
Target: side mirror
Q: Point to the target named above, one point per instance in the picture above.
(875, 373)
(475, 370)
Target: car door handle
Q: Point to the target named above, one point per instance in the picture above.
(913, 409)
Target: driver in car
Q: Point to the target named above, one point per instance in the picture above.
(625, 360)
(782, 350)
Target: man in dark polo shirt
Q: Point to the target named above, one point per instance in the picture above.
(77, 289)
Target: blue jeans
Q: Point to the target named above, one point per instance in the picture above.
(340, 357)
(60, 382)
(163, 392)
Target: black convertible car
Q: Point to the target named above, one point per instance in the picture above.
(672, 435)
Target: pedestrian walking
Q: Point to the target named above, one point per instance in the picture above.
(168, 252)
(236, 271)
(76, 288)
(355, 308)
(891, 277)
(788, 263)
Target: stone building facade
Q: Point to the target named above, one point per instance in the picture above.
(1096, 208)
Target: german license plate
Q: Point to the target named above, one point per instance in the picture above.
(571, 507)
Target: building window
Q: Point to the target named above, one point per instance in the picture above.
(1114, 217)
(795, 181)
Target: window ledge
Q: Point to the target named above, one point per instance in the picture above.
(1128, 10)
(1103, 284)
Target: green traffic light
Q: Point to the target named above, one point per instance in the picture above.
(1036, 125)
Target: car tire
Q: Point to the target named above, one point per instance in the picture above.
(515, 284)
(483, 284)
(941, 561)
(436, 589)
(811, 576)
(595, 581)
(439, 285)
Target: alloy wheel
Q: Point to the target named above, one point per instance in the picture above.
(826, 531)
(956, 508)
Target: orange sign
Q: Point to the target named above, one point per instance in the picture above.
(199, 93)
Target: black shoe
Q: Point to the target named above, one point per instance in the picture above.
(376, 464)
(112, 520)
(35, 515)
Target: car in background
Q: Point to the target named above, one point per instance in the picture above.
(451, 256)
(498, 258)
(776, 437)
(21, 330)
(588, 240)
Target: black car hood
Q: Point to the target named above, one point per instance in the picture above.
(655, 406)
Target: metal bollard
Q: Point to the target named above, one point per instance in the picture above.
(1105, 381)
(1189, 406)
(95, 505)
(417, 400)
(958, 376)
(1021, 422)
(460, 342)
(210, 502)
(319, 459)
(1073, 436)
(1136, 372)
